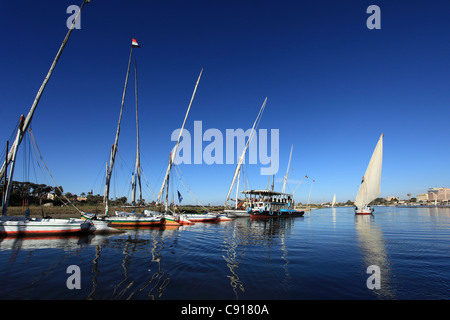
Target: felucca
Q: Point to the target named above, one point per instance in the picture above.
(23, 226)
(239, 209)
(369, 189)
(126, 219)
(172, 217)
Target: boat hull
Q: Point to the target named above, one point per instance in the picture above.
(176, 220)
(134, 221)
(364, 211)
(202, 217)
(276, 214)
(236, 213)
(36, 227)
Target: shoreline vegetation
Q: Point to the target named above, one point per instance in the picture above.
(66, 212)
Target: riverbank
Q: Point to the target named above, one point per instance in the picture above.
(65, 212)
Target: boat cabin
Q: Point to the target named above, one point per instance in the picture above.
(269, 200)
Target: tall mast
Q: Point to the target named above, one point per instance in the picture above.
(241, 158)
(27, 120)
(116, 141)
(5, 182)
(174, 151)
(137, 167)
(287, 171)
(25, 123)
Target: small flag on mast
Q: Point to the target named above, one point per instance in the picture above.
(180, 198)
(134, 43)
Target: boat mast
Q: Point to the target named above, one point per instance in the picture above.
(14, 149)
(241, 158)
(5, 182)
(287, 171)
(174, 151)
(25, 123)
(298, 185)
(137, 168)
(27, 120)
(116, 141)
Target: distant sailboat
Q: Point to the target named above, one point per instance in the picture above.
(369, 189)
(334, 201)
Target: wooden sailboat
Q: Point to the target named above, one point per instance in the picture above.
(369, 189)
(125, 218)
(239, 209)
(23, 226)
(171, 217)
(134, 219)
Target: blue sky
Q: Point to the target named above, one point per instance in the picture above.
(333, 86)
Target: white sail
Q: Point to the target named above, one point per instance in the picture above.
(334, 201)
(369, 189)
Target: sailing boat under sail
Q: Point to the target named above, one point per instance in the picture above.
(22, 226)
(369, 189)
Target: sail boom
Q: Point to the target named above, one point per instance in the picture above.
(30, 114)
(241, 158)
(174, 151)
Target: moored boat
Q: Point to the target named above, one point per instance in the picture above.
(239, 204)
(202, 217)
(132, 219)
(268, 203)
(21, 226)
(26, 226)
(174, 219)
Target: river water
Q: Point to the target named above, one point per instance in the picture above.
(324, 255)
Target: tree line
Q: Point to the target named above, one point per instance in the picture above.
(37, 194)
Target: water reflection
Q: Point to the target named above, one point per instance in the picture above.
(150, 280)
(370, 238)
(256, 233)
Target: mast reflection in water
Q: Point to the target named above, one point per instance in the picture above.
(323, 255)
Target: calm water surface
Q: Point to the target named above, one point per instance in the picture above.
(323, 255)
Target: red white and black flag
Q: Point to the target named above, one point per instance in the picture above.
(134, 43)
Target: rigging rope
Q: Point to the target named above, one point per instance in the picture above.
(42, 159)
(180, 176)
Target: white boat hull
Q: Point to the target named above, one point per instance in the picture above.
(18, 226)
(202, 217)
(364, 210)
(236, 213)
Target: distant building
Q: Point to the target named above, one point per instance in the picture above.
(388, 199)
(439, 195)
(422, 197)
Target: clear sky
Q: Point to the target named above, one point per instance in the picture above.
(333, 86)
